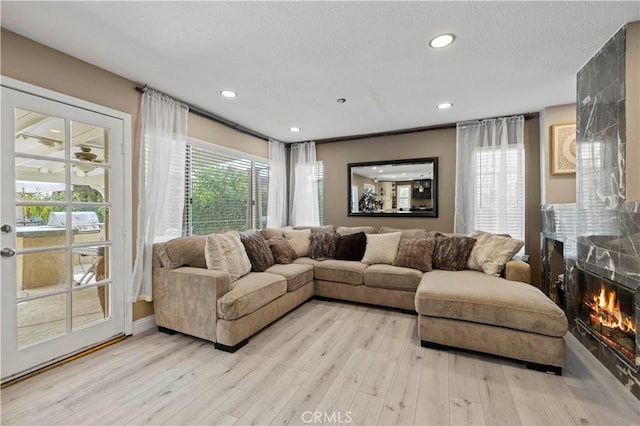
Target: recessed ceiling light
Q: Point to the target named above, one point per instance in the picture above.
(294, 129)
(341, 100)
(55, 131)
(228, 93)
(441, 41)
(445, 105)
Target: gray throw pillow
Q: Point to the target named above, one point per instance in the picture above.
(452, 253)
(323, 245)
(258, 251)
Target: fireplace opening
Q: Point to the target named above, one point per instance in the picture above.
(608, 311)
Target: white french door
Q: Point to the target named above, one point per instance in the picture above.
(62, 227)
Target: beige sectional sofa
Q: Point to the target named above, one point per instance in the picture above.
(466, 309)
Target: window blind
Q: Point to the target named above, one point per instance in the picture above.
(499, 202)
(224, 191)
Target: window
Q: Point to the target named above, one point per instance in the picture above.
(490, 172)
(499, 191)
(404, 197)
(319, 177)
(224, 190)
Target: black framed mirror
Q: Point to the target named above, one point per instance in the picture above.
(398, 188)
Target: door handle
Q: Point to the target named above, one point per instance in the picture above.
(6, 228)
(7, 252)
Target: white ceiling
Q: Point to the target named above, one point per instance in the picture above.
(290, 61)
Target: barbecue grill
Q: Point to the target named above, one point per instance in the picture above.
(82, 222)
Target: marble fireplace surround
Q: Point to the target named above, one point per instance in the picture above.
(600, 233)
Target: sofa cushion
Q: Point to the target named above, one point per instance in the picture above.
(342, 271)
(314, 229)
(491, 252)
(250, 293)
(300, 241)
(381, 248)
(347, 230)
(415, 253)
(407, 233)
(257, 250)
(296, 274)
(351, 246)
(183, 251)
(323, 245)
(307, 261)
(452, 253)
(282, 251)
(225, 252)
(394, 277)
(478, 297)
(269, 233)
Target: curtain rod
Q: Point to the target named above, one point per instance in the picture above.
(527, 116)
(211, 116)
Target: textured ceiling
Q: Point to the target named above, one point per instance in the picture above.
(290, 61)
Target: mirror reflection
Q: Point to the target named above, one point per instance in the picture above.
(394, 188)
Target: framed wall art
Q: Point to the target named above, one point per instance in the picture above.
(563, 149)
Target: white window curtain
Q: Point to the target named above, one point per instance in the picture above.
(490, 176)
(277, 204)
(160, 182)
(303, 188)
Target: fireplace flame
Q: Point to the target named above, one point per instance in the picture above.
(605, 310)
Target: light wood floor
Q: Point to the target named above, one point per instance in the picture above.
(346, 361)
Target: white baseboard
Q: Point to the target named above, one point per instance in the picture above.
(144, 324)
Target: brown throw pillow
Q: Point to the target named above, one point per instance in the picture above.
(351, 246)
(282, 251)
(452, 253)
(258, 251)
(415, 253)
(323, 245)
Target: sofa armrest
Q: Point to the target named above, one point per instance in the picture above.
(185, 299)
(517, 270)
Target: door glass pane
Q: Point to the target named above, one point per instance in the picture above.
(89, 305)
(89, 224)
(90, 265)
(90, 183)
(39, 134)
(41, 319)
(89, 143)
(38, 180)
(40, 272)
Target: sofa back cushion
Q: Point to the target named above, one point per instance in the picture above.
(407, 233)
(268, 233)
(415, 253)
(452, 253)
(381, 248)
(257, 250)
(183, 251)
(351, 246)
(315, 229)
(225, 252)
(282, 251)
(323, 245)
(346, 230)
